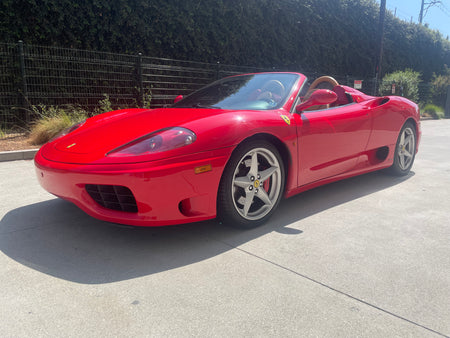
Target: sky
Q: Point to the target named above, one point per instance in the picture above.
(438, 17)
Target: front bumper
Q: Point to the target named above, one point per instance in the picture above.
(166, 191)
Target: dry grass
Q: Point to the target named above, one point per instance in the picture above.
(53, 121)
(47, 128)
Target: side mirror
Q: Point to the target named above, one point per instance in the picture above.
(178, 98)
(318, 97)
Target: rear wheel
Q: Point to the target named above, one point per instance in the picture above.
(405, 151)
(252, 185)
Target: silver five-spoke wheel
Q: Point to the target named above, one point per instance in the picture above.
(252, 185)
(256, 183)
(405, 150)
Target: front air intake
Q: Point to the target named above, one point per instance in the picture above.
(114, 197)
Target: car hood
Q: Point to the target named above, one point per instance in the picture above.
(106, 132)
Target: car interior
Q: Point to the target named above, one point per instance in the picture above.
(327, 82)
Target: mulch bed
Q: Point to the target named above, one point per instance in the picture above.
(15, 142)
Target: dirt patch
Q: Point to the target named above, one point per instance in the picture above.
(16, 142)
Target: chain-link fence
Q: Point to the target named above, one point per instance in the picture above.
(34, 75)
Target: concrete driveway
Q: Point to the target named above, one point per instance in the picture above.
(369, 256)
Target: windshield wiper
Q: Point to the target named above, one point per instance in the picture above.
(198, 105)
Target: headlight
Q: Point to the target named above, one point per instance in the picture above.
(159, 141)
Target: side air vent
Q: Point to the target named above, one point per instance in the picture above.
(114, 197)
(377, 102)
(382, 153)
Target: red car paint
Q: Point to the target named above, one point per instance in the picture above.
(180, 185)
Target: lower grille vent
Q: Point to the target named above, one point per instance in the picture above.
(113, 197)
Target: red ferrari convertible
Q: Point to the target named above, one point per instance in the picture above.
(231, 150)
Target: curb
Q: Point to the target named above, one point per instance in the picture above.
(17, 155)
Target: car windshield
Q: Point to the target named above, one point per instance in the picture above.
(253, 92)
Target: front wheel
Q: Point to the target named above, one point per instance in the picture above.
(252, 185)
(405, 151)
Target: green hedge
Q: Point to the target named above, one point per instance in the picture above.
(337, 37)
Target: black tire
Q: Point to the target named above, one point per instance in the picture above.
(405, 151)
(252, 185)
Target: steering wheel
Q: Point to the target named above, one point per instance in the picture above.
(323, 79)
(269, 89)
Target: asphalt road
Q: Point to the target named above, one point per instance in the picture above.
(369, 256)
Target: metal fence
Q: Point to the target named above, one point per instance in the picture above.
(32, 75)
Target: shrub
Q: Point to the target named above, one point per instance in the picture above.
(440, 86)
(434, 111)
(407, 84)
(104, 105)
(147, 98)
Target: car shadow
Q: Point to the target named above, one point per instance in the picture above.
(57, 238)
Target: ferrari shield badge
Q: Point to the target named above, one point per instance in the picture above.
(286, 119)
